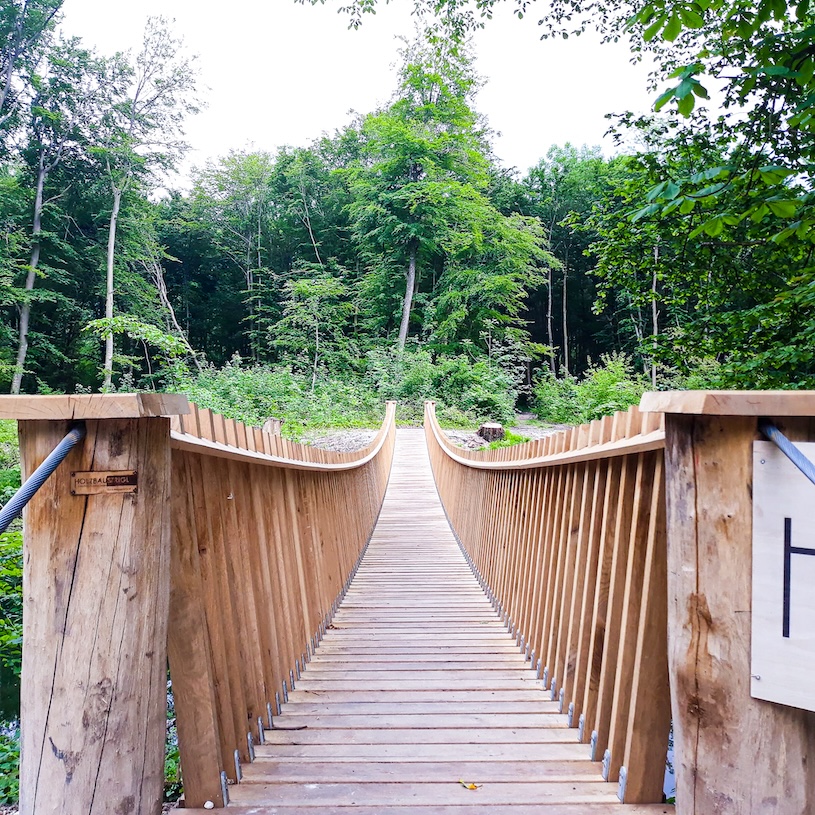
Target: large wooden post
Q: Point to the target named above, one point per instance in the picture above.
(734, 755)
(95, 598)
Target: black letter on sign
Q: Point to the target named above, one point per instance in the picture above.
(789, 551)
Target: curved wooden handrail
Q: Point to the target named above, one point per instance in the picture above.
(640, 443)
(567, 535)
(190, 443)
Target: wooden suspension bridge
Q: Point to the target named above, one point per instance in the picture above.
(586, 596)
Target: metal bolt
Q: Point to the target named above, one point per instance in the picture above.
(251, 744)
(570, 715)
(606, 764)
(593, 745)
(621, 785)
(261, 732)
(269, 717)
(238, 773)
(224, 787)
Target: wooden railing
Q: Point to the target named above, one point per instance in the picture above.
(567, 534)
(218, 545)
(627, 570)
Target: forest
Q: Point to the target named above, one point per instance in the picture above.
(397, 257)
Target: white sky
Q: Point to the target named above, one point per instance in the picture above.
(281, 74)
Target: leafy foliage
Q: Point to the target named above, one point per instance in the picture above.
(604, 389)
(9, 765)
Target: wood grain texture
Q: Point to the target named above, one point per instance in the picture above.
(734, 754)
(93, 406)
(731, 403)
(95, 594)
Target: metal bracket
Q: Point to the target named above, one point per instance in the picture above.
(593, 745)
(285, 692)
(581, 727)
(561, 699)
(250, 742)
(621, 784)
(553, 689)
(539, 668)
(545, 678)
(277, 702)
(269, 716)
(261, 731)
(606, 764)
(224, 787)
(570, 715)
(238, 773)
(291, 678)
(296, 669)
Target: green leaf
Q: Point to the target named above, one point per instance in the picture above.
(663, 99)
(652, 29)
(783, 209)
(690, 18)
(687, 205)
(686, 104)
(714, 227)
(672, 29)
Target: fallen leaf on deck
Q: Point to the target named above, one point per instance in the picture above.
(469, 786)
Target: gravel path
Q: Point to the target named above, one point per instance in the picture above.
(348, 441)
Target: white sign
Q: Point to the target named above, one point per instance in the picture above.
(783, 621)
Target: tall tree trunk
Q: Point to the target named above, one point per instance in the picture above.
(410, 284)
(654, 316)
(565, 322)
(316, 355)
(549, 332)
(30, 279)
(114, 218)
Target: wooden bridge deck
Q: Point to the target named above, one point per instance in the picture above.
(416, 687)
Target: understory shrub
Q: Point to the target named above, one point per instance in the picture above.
(610, 386)
(466, 392)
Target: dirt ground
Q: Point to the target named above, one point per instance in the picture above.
(348, 441)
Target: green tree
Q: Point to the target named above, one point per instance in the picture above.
(420, 193)
(314, 317)
(63, 112)
(24, 29)
(142, 133)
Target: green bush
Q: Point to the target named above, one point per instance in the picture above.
(467, 392)
(11, 601)
(613, 385)
(9, 765)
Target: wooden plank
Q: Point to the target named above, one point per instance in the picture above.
(731, 403)
(471, 809)
(727, 744)
(189, 654)
(73, 407)
(95, 603)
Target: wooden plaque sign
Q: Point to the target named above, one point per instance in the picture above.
(783, 621)
(104, 481)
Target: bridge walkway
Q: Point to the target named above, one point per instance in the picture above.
(418, 702)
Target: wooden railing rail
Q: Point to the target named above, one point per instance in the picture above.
(218, 545)
(567, 534)
(267, 535)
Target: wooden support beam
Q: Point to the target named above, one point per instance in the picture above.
(733, 754)
(95, 604)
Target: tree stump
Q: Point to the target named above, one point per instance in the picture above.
(272, 426)
(491, 431)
